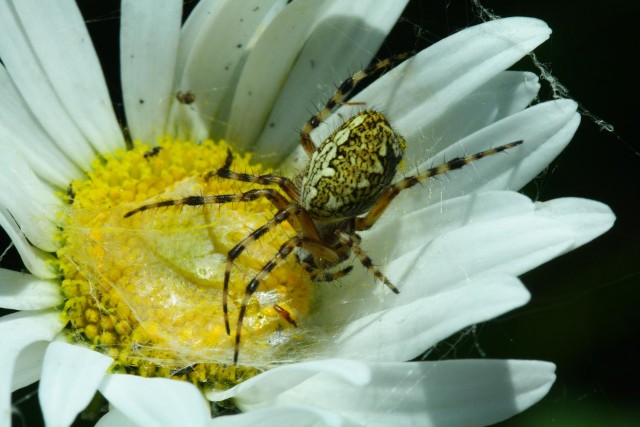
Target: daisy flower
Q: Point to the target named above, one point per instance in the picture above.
(130, 306)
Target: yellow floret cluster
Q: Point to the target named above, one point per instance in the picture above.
(147, 289)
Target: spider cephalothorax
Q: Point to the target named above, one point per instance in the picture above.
(345, 187)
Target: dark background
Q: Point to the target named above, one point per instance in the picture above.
(584, 312)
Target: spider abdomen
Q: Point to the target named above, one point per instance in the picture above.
(351, 168)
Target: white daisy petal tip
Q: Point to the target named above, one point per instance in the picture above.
(489, 391)
(144, 400)
(532, 380)
(587, 219)
(70, 377)
(545, 129)
(513, 244)
(21, 291)
(531, 24)
(522, 29)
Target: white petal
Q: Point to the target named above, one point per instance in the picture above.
(404, 332)
(72, 66)
(70, 378)
(279, 380)
(425, 87)
(588, 219)
(448, 393)
(545, 128)
(21, 291)
(512, 245)
(213, 46)
(21, 131)
(144, 400)
(294, 415)
(508, 93)
(28, 365)
(402, 231)
(31, 202)
(38, 262)
(148, 49)
(327, 58)
(115, 418)
(266, 69)
(18, 331)
(446, 247)
(36, 87)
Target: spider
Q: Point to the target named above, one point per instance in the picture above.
(345, 187)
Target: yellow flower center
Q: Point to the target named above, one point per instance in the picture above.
(147, 289)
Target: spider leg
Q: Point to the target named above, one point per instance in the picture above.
(300, 219)
(278, 200)
(285, 184)
(312, 245)
(366, 222)
(319, 275)
(341, 93)
(353, 242)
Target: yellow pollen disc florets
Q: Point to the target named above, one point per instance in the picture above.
(147, 289)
